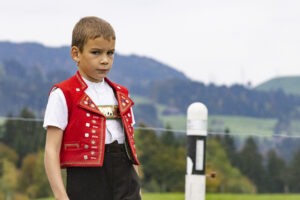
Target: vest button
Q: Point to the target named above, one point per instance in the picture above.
(77, 89)
(86, 146)
(94, 121)
(87, 124)
(93, 152)
(93, 131)
(93, 142)
(88, 114)
(85, 157)
(128, 114)
(86, 135)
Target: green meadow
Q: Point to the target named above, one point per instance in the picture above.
(180, 196)
(236, 124)
(218, 123)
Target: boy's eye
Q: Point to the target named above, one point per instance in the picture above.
(110, 52)
(95, 52)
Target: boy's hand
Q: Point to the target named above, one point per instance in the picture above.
(136, 168)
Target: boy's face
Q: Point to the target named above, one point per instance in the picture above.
(96, 59)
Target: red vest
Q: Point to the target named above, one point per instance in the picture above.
(84, 137)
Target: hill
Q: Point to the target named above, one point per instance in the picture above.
(136, 72)
(289, 84)
(28, 70)
(225, 100)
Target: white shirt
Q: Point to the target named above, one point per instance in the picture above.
(101, 93)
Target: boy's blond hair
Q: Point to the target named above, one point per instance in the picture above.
(91, 28)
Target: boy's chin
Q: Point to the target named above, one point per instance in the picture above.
(96, 78)
(99, 79)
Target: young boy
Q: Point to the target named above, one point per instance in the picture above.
(89, 123)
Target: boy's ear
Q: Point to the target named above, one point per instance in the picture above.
(75, 54)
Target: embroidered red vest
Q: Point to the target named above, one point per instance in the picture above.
(84, 137)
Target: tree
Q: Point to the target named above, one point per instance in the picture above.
(163, 164)
(228, 144)
(168, 137)
(9, 179)
(276, 169)
(228, 178)
(41, 185)
(33, 179)
(8, 153)
(146, 144)
(26, 178)
(250, 164)
(24, 136)
(294, 173)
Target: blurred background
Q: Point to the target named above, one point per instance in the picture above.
(239, 58)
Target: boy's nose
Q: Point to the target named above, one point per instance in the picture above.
(104, 60)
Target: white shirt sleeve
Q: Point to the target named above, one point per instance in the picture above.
(56, 113)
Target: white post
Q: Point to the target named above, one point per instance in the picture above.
(196, 143)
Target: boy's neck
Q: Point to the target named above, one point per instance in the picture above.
(92, 82)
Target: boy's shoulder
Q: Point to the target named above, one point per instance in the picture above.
(70, 81)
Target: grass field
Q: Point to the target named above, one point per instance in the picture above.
(236, 124)
(180, 196)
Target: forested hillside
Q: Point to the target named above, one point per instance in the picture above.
(28, 70)
(233, 100)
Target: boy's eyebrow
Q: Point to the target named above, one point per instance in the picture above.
(95, 48)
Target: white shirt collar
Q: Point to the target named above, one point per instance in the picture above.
(93, 84)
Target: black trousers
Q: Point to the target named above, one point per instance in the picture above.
(115, 180)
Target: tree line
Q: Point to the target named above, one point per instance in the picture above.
(20, 87)
(225, 100)
(163, 163)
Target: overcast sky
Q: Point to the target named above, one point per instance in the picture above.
(220, 41)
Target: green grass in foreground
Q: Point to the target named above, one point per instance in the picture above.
(180, 196)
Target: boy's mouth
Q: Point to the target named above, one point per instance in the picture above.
(102, 70)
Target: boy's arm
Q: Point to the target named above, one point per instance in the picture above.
(52, 162)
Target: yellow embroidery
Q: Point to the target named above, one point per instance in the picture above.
(110, 112)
